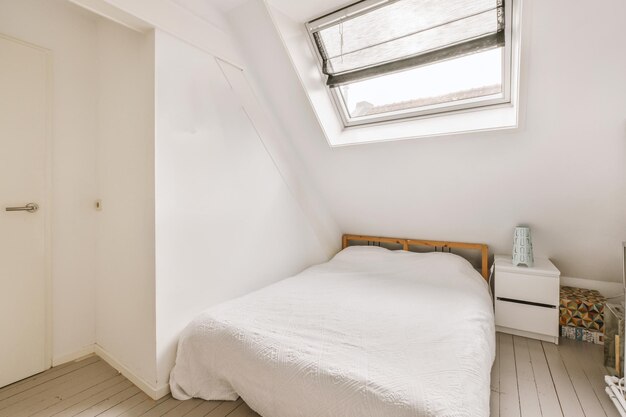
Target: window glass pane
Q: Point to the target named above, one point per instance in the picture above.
(468, 77)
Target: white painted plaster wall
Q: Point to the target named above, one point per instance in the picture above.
(192, 21)
(125, 307)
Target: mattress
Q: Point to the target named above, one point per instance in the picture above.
(372, 332)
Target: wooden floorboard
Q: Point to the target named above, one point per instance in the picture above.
(584, 390)
(143, 407)
(21, 392)
(494, 400)
(591, 360)
(548, 400)
(49, 375)
(206, 408)
(125, 405)
(225, 408)
(509, 394)
(83, 400)
(45, 395)
(526, 385)
(528, 379)
(243, 411)
(99, 404)
(570, 404)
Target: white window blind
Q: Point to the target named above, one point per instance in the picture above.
(384, 37)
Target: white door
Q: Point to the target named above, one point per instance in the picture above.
(23, 169)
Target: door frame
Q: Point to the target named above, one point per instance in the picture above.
(47, 196)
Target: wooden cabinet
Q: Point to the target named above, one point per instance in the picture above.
(527, 299)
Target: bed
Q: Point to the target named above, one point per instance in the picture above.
(372, 332)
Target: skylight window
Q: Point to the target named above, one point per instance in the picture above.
(392, 59)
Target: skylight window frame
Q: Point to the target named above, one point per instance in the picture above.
(460, 106)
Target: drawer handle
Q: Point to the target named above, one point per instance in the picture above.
(530, 303)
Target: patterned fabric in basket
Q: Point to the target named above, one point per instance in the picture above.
(583, 308)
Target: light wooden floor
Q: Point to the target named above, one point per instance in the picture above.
(529, 378)
(532, 378)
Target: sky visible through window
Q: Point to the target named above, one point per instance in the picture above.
(470, 76)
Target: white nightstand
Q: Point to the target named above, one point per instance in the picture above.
(527, 299)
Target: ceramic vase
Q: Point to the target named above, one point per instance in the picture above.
(523, 247)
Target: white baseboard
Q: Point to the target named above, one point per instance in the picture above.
(153, 392)
(69, 357)
(607, 289)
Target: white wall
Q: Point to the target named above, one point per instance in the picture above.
(194, 21)
(226, 222)
(125, 308)
(563, 172)
(70, 34)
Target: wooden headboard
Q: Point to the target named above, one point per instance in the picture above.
(435, 244)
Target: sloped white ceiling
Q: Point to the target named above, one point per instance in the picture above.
(209, 10)
(305, 10)
(221, 5)
(563, 171)
(299, 10)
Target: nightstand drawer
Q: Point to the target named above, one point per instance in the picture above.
(529, 318)
(533, 288)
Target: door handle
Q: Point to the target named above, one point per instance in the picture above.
(30, 207)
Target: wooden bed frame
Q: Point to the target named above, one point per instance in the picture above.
(435, 244)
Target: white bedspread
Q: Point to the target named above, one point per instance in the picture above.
(372, 332)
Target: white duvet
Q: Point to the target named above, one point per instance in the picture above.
(372, 332)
